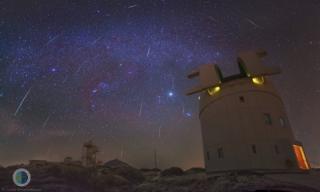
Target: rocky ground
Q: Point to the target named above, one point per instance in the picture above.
(117, 176)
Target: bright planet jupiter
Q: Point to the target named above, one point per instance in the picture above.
(115, 72)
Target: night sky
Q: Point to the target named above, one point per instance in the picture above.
(115, 72)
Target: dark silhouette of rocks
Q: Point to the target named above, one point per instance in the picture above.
(195, 170)
(116, 163)
(173, 171)
(124, 170)
(118, 176)
(150, 170)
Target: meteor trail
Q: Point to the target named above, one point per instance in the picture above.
(253, 23)
(148, 52)
(46, 121)
(140, 109)
(21, 102)
(132, 6)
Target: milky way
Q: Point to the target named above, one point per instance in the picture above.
(115, 72)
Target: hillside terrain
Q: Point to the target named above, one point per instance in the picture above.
(117, 176)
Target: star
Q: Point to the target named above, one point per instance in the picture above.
(188, 114)
(53, 69)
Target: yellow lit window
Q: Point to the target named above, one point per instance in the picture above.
(213, 90)
(301, 157)
(258, 80)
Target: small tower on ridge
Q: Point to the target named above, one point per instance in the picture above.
(89, 154)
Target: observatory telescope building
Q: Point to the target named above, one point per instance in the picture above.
(243, 119)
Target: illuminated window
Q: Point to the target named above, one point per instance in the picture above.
(254, 149)
(301, 157)
(220, 153)
(258, 80)
(282, 122)
(267, 119)
(213, 90)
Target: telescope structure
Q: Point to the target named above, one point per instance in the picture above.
(243, 119)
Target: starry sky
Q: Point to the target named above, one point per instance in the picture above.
(115, 71)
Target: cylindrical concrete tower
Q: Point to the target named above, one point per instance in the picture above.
(243, 120)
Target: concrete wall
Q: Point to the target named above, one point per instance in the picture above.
(239, 126)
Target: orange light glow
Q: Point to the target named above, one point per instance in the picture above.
(301, 157)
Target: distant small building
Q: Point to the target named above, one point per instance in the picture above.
(243, 119)
(38, 163)
(76, 162)
(70, 161)
(67, 159)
